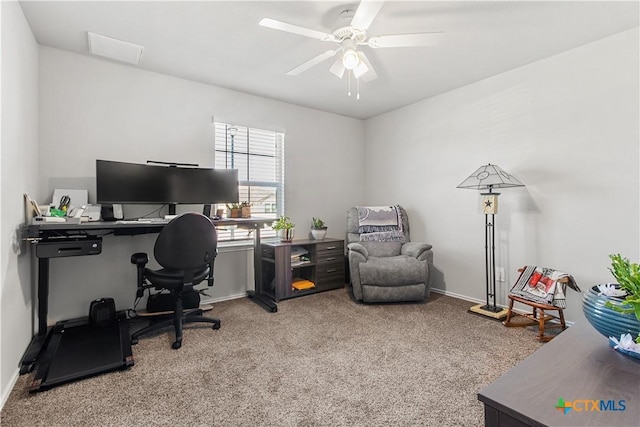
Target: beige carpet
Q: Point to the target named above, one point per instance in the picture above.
(321, 360)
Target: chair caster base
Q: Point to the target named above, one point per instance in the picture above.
(134, 341)
(216, 326)
(176, 345)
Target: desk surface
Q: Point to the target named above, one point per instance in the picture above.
(578, 364)
(34, 230)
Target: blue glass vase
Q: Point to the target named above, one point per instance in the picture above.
(605, 320)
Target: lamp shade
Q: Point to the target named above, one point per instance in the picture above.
(488, 177)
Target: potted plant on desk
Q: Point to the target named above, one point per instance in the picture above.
(239, 210)
(318, 228)
(285, 229)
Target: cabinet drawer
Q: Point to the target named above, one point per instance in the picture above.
(330, 272)
(330, 249)
(323, 259)
(331, 282)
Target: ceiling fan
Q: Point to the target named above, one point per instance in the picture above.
(349, 38)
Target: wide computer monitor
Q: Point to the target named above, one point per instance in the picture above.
(134, 183)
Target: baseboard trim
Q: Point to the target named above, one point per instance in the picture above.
(459, 296)
(224, 298)
(9, 388)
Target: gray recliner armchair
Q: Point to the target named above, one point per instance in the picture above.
(384, 265)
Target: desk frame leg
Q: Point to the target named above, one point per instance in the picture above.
(265, 301)
(258, 295)
(38, 342)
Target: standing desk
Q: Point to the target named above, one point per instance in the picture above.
(54, 240)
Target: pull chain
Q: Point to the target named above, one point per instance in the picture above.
(349, 87)
(358, 89)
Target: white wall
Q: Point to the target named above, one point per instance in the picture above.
(96, 109)
(567, 126)
(18, 166)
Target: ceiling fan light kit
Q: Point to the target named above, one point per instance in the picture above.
(349, 38)
(350, 57)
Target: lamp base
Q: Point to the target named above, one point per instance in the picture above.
(494, 312)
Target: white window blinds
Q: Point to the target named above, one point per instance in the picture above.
(258, 155)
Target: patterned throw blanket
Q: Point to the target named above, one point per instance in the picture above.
(540, 284)
(380, 223)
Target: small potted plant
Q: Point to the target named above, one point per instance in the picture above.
(285, 229)
(233, 210)
(245, 210)
(239, 210)
(318, 228)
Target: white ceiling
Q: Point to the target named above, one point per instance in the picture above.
(220, 42)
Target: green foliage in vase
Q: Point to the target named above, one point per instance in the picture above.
(238, 205)
(628, 276)
(283, 223)
(317, 223)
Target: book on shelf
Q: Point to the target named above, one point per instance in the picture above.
(298, 262)
(298, 251)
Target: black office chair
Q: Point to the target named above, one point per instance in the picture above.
(186, 249)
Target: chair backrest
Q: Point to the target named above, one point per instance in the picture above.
(353, 234)
(187, 242)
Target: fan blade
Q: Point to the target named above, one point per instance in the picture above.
(371, 73)
(290, 28)
(406, 40)
(365, 14)
(338, 68)
(312, 62)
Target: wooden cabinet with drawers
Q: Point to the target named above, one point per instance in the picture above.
(320, 262)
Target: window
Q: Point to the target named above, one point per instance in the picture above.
(258, 155)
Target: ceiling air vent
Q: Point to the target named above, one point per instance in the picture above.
(114, 49)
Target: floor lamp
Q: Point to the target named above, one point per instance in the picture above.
(486, 178)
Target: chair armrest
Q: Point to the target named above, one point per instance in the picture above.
(358, 248)
(415, 249)
(139, 259)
